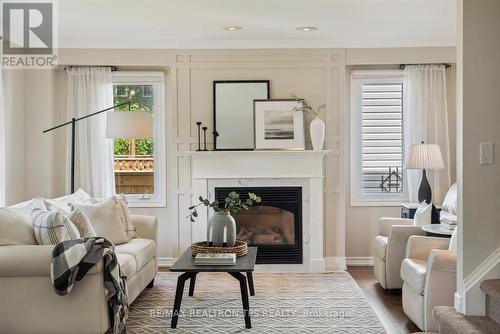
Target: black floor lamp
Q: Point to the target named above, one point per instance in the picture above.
(115, 134)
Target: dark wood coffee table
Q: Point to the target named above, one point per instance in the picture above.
(185, 264)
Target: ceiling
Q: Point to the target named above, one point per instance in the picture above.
(266, 23)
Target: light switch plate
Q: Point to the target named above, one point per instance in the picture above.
(486, 154)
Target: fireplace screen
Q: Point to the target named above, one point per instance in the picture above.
(274, 225)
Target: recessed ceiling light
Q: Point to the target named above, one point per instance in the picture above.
(306, 29)
(232, 28)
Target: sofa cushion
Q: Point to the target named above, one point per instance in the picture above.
(380, 246)
(105, 220)
(52, 227)
(143, 250)
(127, 264)
(413, 273)
(16, 226)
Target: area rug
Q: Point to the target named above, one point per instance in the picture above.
(283, 303)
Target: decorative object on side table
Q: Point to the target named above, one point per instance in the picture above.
(222, 223)
(317, 126)
(278, 125)
(424, 156)
(199, 135)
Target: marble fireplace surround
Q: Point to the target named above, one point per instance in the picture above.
(267, 168)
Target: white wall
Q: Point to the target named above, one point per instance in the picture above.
(478, 122)
(14, 83)
(316, 74)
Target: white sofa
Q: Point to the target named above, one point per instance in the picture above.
(390, 247)
(429, 275)
(29, 304)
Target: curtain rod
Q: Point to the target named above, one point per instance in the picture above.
(402, 66)
(113, 68)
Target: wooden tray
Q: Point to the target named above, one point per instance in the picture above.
(240, 248)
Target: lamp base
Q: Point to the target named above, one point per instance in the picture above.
(424, 191)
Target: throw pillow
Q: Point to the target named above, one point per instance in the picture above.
(16, 226)
(123, 211)
(53, 204)
(52, 227)
(82, 223)
(423, 215)
(105, 220)
(450, 200)
(78, 197)
(454, 241)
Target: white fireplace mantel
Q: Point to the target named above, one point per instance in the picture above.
(257, 164)
(304, 168)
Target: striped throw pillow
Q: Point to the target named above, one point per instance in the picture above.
(52, 227)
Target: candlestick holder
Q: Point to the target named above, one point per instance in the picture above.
(205, 137)
(199, 136)
(216, 134)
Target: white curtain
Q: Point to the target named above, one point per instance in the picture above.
(426, 119)
(2, 142)
(90, 89)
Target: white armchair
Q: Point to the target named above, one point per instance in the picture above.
(390, 249)
(429, 275)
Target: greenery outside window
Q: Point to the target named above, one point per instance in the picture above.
(138, 162)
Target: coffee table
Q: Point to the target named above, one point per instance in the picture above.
(185, 264)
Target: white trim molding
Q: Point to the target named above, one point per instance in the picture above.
(335, 263)
(166, 262)
(471, 300)
(359, 261)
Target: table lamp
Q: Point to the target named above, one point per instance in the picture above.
(424, 156)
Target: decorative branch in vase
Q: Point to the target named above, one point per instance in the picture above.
(222, 219)
(317, 127)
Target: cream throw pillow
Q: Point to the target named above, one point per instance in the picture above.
(123, 211)
(105, 220)
(423, 215)
(52, 227)
(82, 223)
(16, 226)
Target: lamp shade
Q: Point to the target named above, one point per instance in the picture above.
(129, 124)
(424, 156)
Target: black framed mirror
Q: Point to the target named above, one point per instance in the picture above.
(233, 112)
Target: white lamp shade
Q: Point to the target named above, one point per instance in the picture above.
(129, 124)
(424, 156)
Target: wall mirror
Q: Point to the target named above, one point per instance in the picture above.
(233, 112)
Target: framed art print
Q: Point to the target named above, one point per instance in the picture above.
(278, 126)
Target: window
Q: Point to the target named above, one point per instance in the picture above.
(138, 165)
(377, 138)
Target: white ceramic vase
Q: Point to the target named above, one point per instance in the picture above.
(220, 224)
(317, 129)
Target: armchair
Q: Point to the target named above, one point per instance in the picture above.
(429, 275)
(390, 249)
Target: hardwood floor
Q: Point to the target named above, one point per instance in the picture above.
(386, 304)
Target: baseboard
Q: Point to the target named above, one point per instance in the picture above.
(459, 303)
(359, 261)
(166, 262)
(473, 299)
(335, 263)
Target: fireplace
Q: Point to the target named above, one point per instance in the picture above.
(274, 226)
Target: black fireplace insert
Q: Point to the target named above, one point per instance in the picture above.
(274, 226)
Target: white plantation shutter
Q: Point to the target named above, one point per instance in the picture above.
(382, 126)
(377, 137)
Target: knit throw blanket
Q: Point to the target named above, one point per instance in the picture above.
(72, 259)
